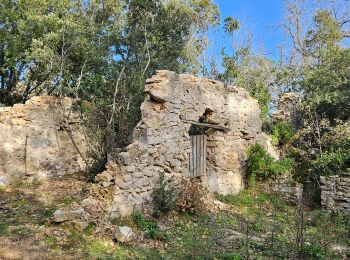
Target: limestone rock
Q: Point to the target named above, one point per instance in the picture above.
(34, 139)
(288, 109)
(124, 234)
(4, 181)
(288, 189)
(162, 228)
(67, 215)
(335, 193)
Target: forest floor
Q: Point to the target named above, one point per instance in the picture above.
(250, 225)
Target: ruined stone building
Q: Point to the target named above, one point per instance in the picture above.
(190, 128)
(164, 140)
(35, 141)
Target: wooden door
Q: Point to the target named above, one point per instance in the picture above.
(198, 156)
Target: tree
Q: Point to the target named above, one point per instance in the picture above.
(246, 70)
(99, 51)
(325, 81)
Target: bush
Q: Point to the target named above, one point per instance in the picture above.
(334, 160)
(262, 166)
(148, 226)
(282, 133)
(190, 197)
(97, 166)
(313, 251)
(163, 197)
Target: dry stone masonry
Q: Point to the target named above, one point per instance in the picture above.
(161, 140)
(288, 109)
(34, 140)
(287, 188)
(335, 193)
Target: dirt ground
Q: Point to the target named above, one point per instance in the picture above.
(25, 212)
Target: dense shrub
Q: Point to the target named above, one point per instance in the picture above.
(335, 159)
(190, 197)
(261, 165)
(163, 197)
(282, 133)
(313, 251)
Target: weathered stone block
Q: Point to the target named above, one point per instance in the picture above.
(35, 139)
(335, 193)
(124, 234)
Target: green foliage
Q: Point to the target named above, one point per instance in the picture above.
(231, 24)
(261, 165)
(99, 52)
(3, 229)
(163, 197)
(148, 226)
(335, 159)
(44, 214)
(256, 74)
(314, 251)
(325, 80)
(242, 199)
(231, 256)
(282, 133)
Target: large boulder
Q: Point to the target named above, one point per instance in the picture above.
(124, 234)
(61, 215)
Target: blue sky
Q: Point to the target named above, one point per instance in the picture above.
(261, 16)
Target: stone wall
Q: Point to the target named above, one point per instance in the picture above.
(288, 109)
(161, 141)
(335, 193)
(34, 139)
(284, 186)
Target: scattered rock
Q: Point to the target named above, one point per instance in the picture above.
(80, 224)
(66, 215)
(162, 228)
(4, 181)
(124, 234)
(219, 204)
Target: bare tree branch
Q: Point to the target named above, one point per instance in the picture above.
(115, 95)
(148, 54)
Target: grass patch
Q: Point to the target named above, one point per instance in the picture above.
(43, 214)
(51, 240)
(102, 250)
(3, 229)
(68, 200)
(226, 220)
(241, 200)
(21, 232)
(150, 227)
(20, 203)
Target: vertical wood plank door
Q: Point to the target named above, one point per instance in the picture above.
(198, 156)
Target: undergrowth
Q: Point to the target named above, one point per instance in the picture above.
(261, 165)
(150, 227)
